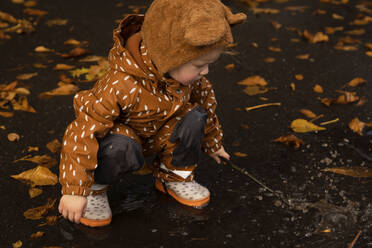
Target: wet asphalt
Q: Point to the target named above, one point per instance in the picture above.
(241, 212)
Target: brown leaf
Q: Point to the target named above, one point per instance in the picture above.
(76, 52)
(332, 30)
(37, 235)
(43, 160)
(296, 8)
(369, 53)
(54, 146)
(255, 90)
(36, 12)
(56, 22)
(38, 176)
(356, 81)
(39, 212)
(303, 56)
(60, 67)
(42, 49)
(92, 58)
(327, 101)
(290, 140)
(368, 46)
(319, 12)
(275, 49)
(7, 17)
(337, 17)
(22, 104)
(13, 137)
(340, 46)
(51, 220)
(308, 113)
(357, 126)
(34, 192)
(276, 24)
(346, 97)
(303, 126)
(229, 67)
(6, 114)
(318, 89)
(356, 171)
(264, 11)
(253, 81)
(72, 42)
(293, 86)
(66, 89)
(26, 76)
(299, 76)
(17, 244)
(363, 100)
(40, 66)
(363, 21)
(356, 32)
(240, 154)
(269, 60)
(318, 37)
(30, 4)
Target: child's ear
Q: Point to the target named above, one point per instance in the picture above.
(234, 18)
(203, 30)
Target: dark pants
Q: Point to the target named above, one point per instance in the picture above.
(119, 154)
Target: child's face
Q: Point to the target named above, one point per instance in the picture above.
(195, 69)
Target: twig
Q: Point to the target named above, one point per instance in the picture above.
(355, 239)
(329, 122)
(241, 170)
(316, 118)
(263, 105)
(359, 152)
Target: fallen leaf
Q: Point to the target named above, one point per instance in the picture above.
(290, 140)
(356, 171)
(299, 76)
(76, 52)
(296, 8)
(254, 81)
(36, 12)
(293, 86)
(72, 42)
(303, 126)
(39, 176)
(254, 44)
(34, 192)
(42, 49)
(276, 24)
(275, 49)
(66, 89)
(60, 67)
(6, 114)
(32, 149)
(308, 113)
(80, 71)
(39, 212)
(332, 30)
(54, 146)
(356, 32)
(51, 220)
(318, 37)
(30, 3)
(346, 97)
(319, 12)
(303, 56)
(92, 58)
(56, 22)
(37, 235)
(337, 17)
(8, 18)
(364, 21)
(318, 89)
(368, 46)
(255, 90)
(26, 76)
(369, 53)
(17, 1)
(22, 105)
(229, 67)
(363, 100)
(356, 81)
(340, 46)
(13, 137)
(240, 154)
(264, 11)
(17, 244)
(44, 160)
(269, 60)
(40, 66)
(357, 126)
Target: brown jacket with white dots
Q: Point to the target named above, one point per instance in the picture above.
(134, 94)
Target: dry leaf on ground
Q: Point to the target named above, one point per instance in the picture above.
(22, 104)
(13, 137)
(37, 235)
(17, 244)
(42, 49)
(240, 154)
(308, 113)
(299, 76)
(303, 126)
(39, 212)
(290, 140)
(356, 171)
(26, 76)
(275, 49)
(254, 80)
(364, 21)
(60, 67)
(38, 176)
(54, 146)
(92, 58)
(35, 12)
(356, 81)
(332, 30)
(318, 89)
(346, 97)
(264, 11)
(34, 192)
(229, 67)
(269, 60)
(357, 126)
(6, 114)
(318, 37)
(43, 160)
(66, 89)
(72, 42)
(76, 52)
(303, 56)
(356, 32)
(56, 22)
(337, 16)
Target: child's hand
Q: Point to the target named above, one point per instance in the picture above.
(72, 207)
(220, 153)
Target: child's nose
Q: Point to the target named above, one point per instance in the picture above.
(205, 70)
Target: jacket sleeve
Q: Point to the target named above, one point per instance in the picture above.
(95, 110)
(203, 94)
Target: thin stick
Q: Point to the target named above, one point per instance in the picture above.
(316, 118)
(355, 239)
(263, 105)
(241, 170)
(329, 122)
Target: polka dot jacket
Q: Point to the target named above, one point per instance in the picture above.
(131, 99)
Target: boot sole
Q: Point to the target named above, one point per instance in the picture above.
(95, 223)
(199, 204)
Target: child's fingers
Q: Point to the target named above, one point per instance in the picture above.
(77, 217)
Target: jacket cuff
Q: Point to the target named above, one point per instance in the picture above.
(75, 190)
(212, 144)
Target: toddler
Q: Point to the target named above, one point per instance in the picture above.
(154, 100)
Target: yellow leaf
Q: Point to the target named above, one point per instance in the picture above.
(56, 22)
(357, 126)
(303, 56)
(308, 113)
(240, 154)
(43, 160)
(356, 81)
(275, 49)
(66, 89)
(293, 86)
(332, 30)
(60, 67)
(318, 37)
(13, 137)
(22, 104)
(269, 60)
(37, 235)
(17, 244)
(78, 72)
(33, 192)
(72, 42)
(26, 76)
(39, 212)
(337, 17)
(255, 90)
(357, 171)
(42, 49)
(356, 32)
(318, 89)
(264, 11)
(38, 176)
(299, 76)
(253, 80)
(303, 126)
(6, 114)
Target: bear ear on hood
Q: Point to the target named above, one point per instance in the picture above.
(234, 18)
(204, 30)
